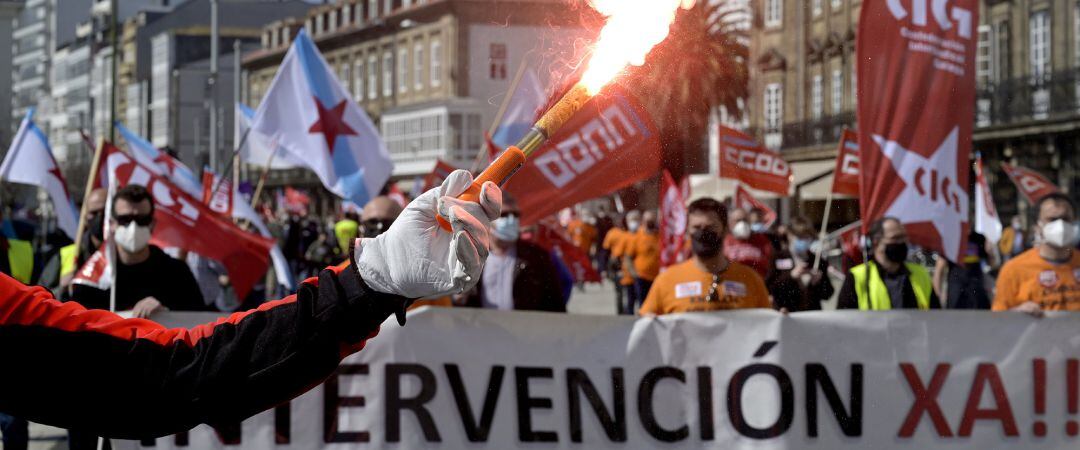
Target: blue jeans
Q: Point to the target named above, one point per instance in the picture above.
(16, 432)
(641, 290)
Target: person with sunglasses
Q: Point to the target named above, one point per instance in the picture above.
(147, 279)
(135, 379)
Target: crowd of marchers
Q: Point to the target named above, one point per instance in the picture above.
(732, 261)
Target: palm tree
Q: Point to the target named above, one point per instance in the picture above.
(701, 66)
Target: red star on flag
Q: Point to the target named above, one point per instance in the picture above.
(331, 123)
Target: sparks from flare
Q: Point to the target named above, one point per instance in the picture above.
(632, 29)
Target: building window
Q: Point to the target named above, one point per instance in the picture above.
(418, 66)
(373, 9)
(837, 5)
(815, 7)
(403, 69)
(774, 13)
(1076, 34)
(497, 62)
(1040, 46)
(319, 24)
(837, 91)
(1001, 50)
(344, 76)
(387, 74)
(358, 80)
(984, 57)
(436, 62)
(372, 78)
(816, 97)
(346, 14)
(774, 113)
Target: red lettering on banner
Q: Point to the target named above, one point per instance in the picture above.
(1002, 411)
(925, 400)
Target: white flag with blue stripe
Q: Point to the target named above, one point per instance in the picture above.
(30, 161)
(259, 149)
(314, 119)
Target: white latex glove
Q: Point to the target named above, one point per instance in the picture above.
(416, 258)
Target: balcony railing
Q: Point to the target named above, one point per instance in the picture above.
(1027, 99)
(826, 130)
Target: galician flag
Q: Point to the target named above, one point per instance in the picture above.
(258, 148)
(987, 221)
(316, 122)
(528, 96)
(30, 161)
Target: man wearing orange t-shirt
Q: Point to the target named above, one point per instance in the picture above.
(644, 253)
(582, 234)
(709, 281)
(1047, 277)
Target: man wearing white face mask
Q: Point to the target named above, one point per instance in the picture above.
(518, 275)
(745, 247)
(147, 279)
(1047, 277)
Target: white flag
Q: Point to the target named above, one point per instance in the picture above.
(316, 120)
(30, 161)
(257, 146)
(987, 222)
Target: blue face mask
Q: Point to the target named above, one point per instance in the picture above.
(801, 246)
(758, 227)
(506, 229)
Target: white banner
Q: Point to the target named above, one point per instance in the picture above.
(474, 379)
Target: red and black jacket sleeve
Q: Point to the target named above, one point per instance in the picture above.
(92, 370)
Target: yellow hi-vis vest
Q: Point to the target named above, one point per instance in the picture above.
(878, 298)
(21, 260)
(68, 253)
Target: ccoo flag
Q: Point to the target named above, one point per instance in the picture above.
(311, 114)
(161, 163)
(30, 161)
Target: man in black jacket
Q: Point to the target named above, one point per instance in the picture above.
(136, 379)
(519, 275)
(147, 280)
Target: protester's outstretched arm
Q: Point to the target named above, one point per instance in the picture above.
(131, 378)
(94, 371)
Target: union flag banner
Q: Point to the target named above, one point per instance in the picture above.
(438, 174)
(916, 113)
(743, 158)
(610, 144)
(746, 201)
(1031, 184)
(220, 200)
(183, 221)
(559, 245)
(672, 221)
(846, 174)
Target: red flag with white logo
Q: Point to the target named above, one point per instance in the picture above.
(438, 174)
(916, 114)
(743, 158)
(1031, 184)
(295, 201)
(846, 174)
(610, 144)
(746, 201)
(397, 196)
(95, 272)
(218, 195)
(182, 221)
(987, 222)
(577, 261)
(672, 221)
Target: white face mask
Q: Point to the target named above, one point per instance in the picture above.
(633, 225)
(132, 238)
(741, 230)
(1061, 234)
(506, 229)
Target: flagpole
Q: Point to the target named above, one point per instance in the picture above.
(95, 165)
(501, 113)
(822, 233)
(262, 179)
